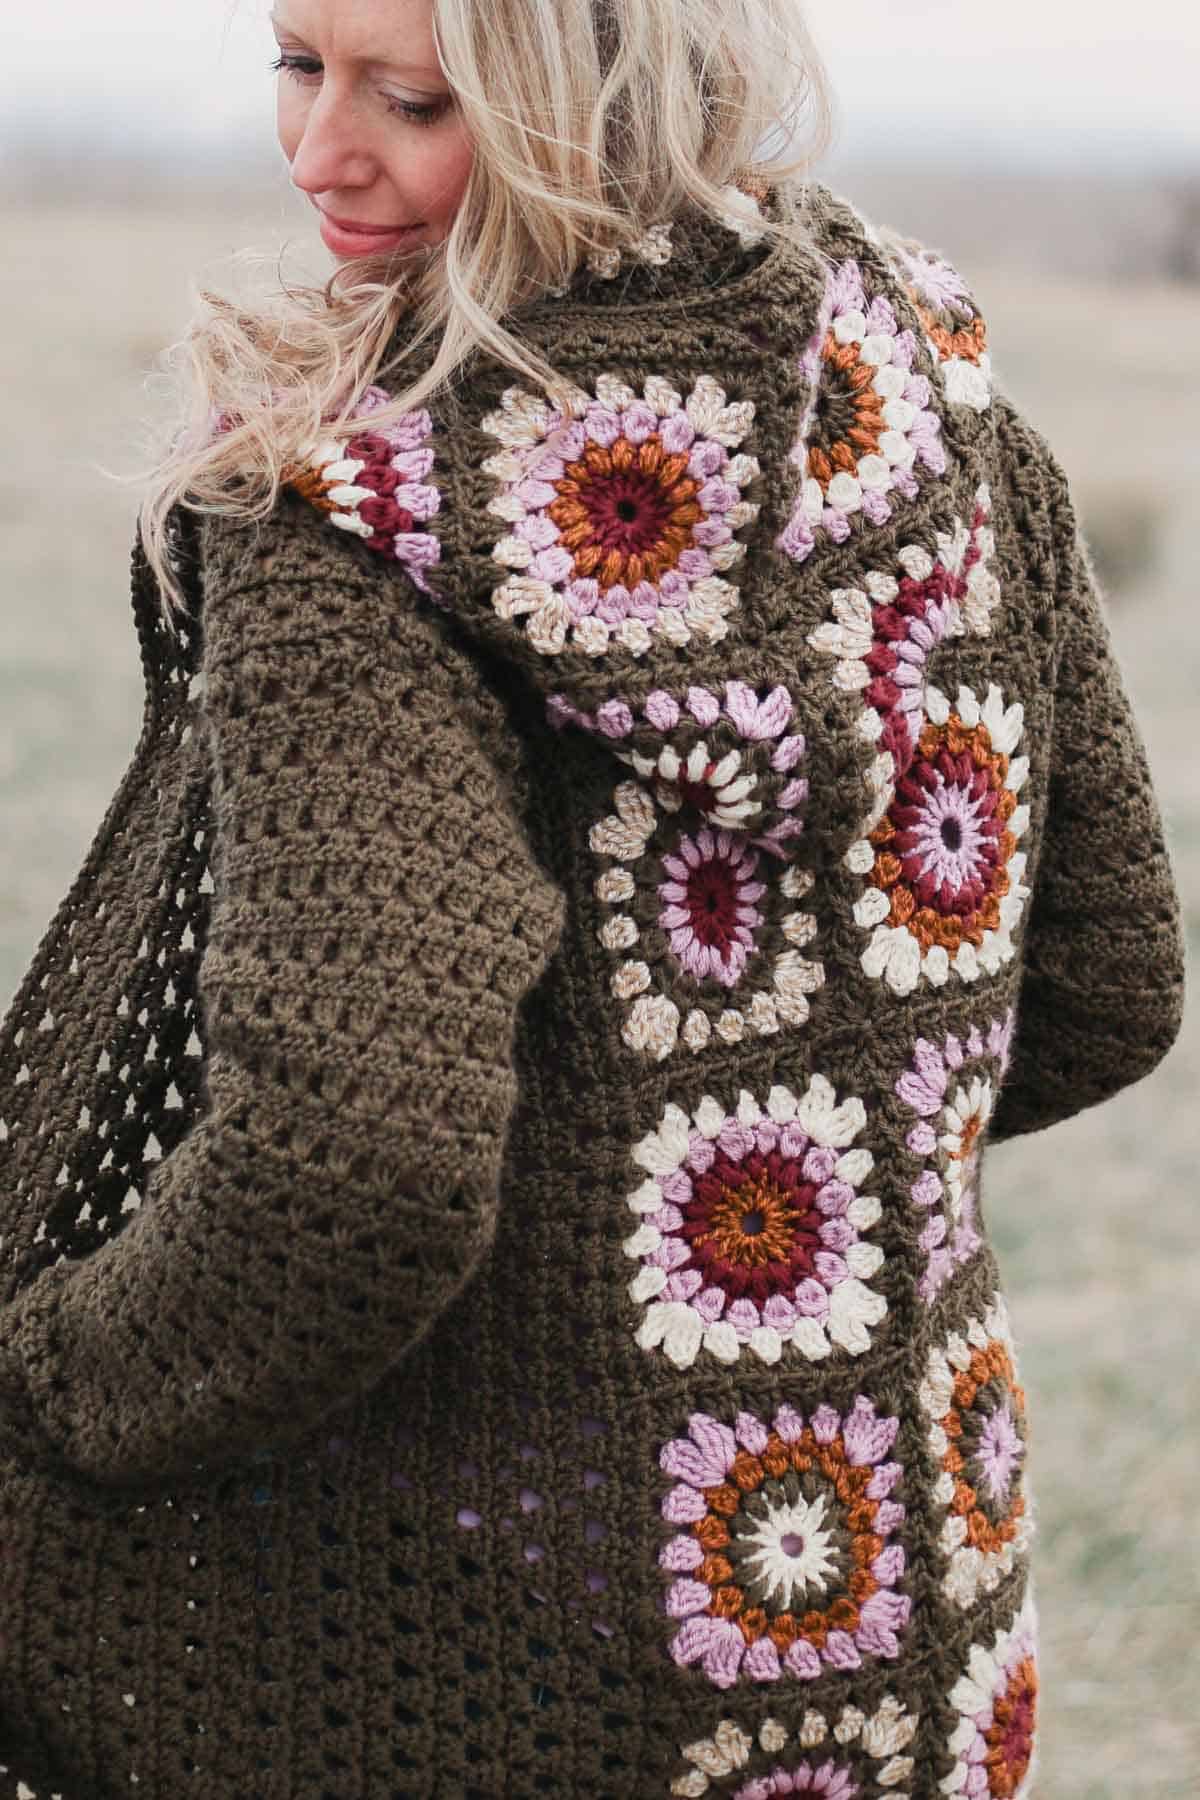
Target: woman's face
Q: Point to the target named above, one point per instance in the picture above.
(367, 122)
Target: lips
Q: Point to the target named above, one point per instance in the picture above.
(363, 229)
(349, 240)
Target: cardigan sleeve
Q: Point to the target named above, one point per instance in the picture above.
(1101, 998)
(377, 919)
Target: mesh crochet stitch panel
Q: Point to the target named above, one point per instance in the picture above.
(74, 1182)
(499, 1588)
(79, 1137)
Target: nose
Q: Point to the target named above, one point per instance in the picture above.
(334, 151)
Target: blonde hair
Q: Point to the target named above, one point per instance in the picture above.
(675, 99)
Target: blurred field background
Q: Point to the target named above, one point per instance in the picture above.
(1093, 301)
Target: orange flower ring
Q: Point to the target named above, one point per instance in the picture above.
(992, 1364)
(637, 524)
(746, 1475)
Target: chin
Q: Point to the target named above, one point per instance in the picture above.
(406, 254)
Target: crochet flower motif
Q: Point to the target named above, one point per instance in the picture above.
(955, 330)
(953, 1088)
(944, 889)
(996, 1699)
(621, 515)
(374, 487)
(884, 633)
(729, 761)
(703, 915)
(750, 1234)
(783, 1566)
(860, 1757)
(976, 1417)
(709, 912)
(870, 424)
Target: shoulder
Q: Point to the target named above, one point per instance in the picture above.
(950, 315)
(903, 348)
(878, 266)
(289, 592)
(287, 587)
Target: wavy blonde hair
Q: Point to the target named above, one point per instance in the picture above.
(675, 99)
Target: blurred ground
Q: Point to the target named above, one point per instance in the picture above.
(1094, 1221)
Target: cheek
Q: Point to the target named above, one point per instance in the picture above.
(436, 173)
(289, 119)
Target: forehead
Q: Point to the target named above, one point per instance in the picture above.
(396, 34)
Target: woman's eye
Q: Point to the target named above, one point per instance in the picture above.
(424, 115)
(304, 68)
(298, 66)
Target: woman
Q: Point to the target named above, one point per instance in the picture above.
(635, 792)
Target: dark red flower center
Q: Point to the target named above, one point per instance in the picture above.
(629, 512)
(712, 903)
(753, 1225)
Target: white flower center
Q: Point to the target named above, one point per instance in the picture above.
(794, 1553)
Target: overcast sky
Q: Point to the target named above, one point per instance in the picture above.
(1064, 81)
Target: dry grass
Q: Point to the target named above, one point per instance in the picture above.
(1094, 1221)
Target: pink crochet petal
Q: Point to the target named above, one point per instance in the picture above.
(686, 1597)
(684, 1505)
(681, 1555)
(722, 1660)
(841, 1652)
(695, 1637)
(751, 1433)
(866, 1437)
(802, 1661)
(705, 1460)
(761, 1661)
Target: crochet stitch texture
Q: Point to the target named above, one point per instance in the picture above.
(498, 1298)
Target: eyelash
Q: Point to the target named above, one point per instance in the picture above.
(298, 67)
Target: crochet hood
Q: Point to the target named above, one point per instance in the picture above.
(751, 428)
(662, 521)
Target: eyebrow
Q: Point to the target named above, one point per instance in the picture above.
(373, 62)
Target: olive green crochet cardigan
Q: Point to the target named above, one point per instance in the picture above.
(497, 1293)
